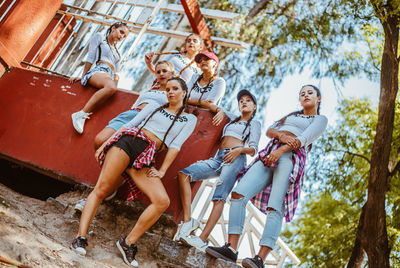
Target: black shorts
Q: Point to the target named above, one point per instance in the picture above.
(132, 146)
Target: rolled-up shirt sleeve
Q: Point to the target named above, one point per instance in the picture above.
(185, 133)
(93, 48)
(255, 134)
(314, 130)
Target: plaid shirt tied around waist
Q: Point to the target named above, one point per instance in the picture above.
(145, 159)
(295, 180)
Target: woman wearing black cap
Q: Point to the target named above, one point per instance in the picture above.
(239, 137)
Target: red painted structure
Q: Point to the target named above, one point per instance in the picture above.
(36, 130)
(51, 41)
(35, 108)
(22, 27)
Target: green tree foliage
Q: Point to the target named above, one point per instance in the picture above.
(337, 177)
(336, 39)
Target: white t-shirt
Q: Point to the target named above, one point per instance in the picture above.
(108, 53)
(181, 62)
(159, 123)
(157, 96)
(306, 128)
(213, 91)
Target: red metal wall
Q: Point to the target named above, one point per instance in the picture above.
(23, 26)
(36, 130)
(51, 41)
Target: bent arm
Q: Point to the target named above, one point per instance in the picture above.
(314, 130)
(86, 68)
(169, 158)
(206, 104)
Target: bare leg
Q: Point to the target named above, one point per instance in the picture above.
(110, 179)
(186, 195)
(102, 136)
(263, 252)
(153, 188)
(218, 206)
(107, 87)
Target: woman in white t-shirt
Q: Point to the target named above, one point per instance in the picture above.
(193, 45)
(131, 150)
(100, 70)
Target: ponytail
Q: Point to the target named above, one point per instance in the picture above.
(116, 26)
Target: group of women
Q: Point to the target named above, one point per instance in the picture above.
(159, 120)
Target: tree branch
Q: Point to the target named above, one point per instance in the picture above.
(257, 8)
(354, 154)
(395, 170)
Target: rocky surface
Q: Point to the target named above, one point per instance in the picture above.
(38, 234)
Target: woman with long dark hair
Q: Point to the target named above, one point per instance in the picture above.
(100, 71)
(157, 94)
(239, 137)
(131, 150)
(273, 180)
(206, 89)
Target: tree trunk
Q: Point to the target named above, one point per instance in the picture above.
(374, 239)
(357, 255)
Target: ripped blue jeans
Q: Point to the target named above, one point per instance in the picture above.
(214, 167)
(256, 179)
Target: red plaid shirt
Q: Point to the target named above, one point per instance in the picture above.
(295, 180)
(145, 159)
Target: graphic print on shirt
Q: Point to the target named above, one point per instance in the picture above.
(172, 116)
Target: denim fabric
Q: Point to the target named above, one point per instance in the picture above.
(122, 119)
(255, 180)
(99, 68)
(214, 167)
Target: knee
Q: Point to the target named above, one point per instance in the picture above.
(98, 141)
(161, 202)
(110, 88)
(183, 177)
(101, 192)
(236, 195)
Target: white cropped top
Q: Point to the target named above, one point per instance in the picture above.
(306, 128)
(161, 121)
(236, 130)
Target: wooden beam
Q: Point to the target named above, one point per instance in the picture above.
(196, 20)
(207, 13)
(168, 33)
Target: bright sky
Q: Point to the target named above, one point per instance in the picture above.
(285, 99)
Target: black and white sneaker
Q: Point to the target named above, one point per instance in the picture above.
(79, 245)
(128, 252)
(255, 262)
(223, 252)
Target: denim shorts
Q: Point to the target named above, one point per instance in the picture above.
(123, 118)
(99, 68)
(214, 167)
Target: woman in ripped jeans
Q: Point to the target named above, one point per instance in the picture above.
(239, 137)
(273, 180)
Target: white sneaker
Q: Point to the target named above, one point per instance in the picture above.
(185, 228)
(196, 242)
(80, 205)
(78, 120)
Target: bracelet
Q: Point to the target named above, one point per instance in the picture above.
(218, 109)
(280, 136)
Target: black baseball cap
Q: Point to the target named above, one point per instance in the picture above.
(246, 92)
